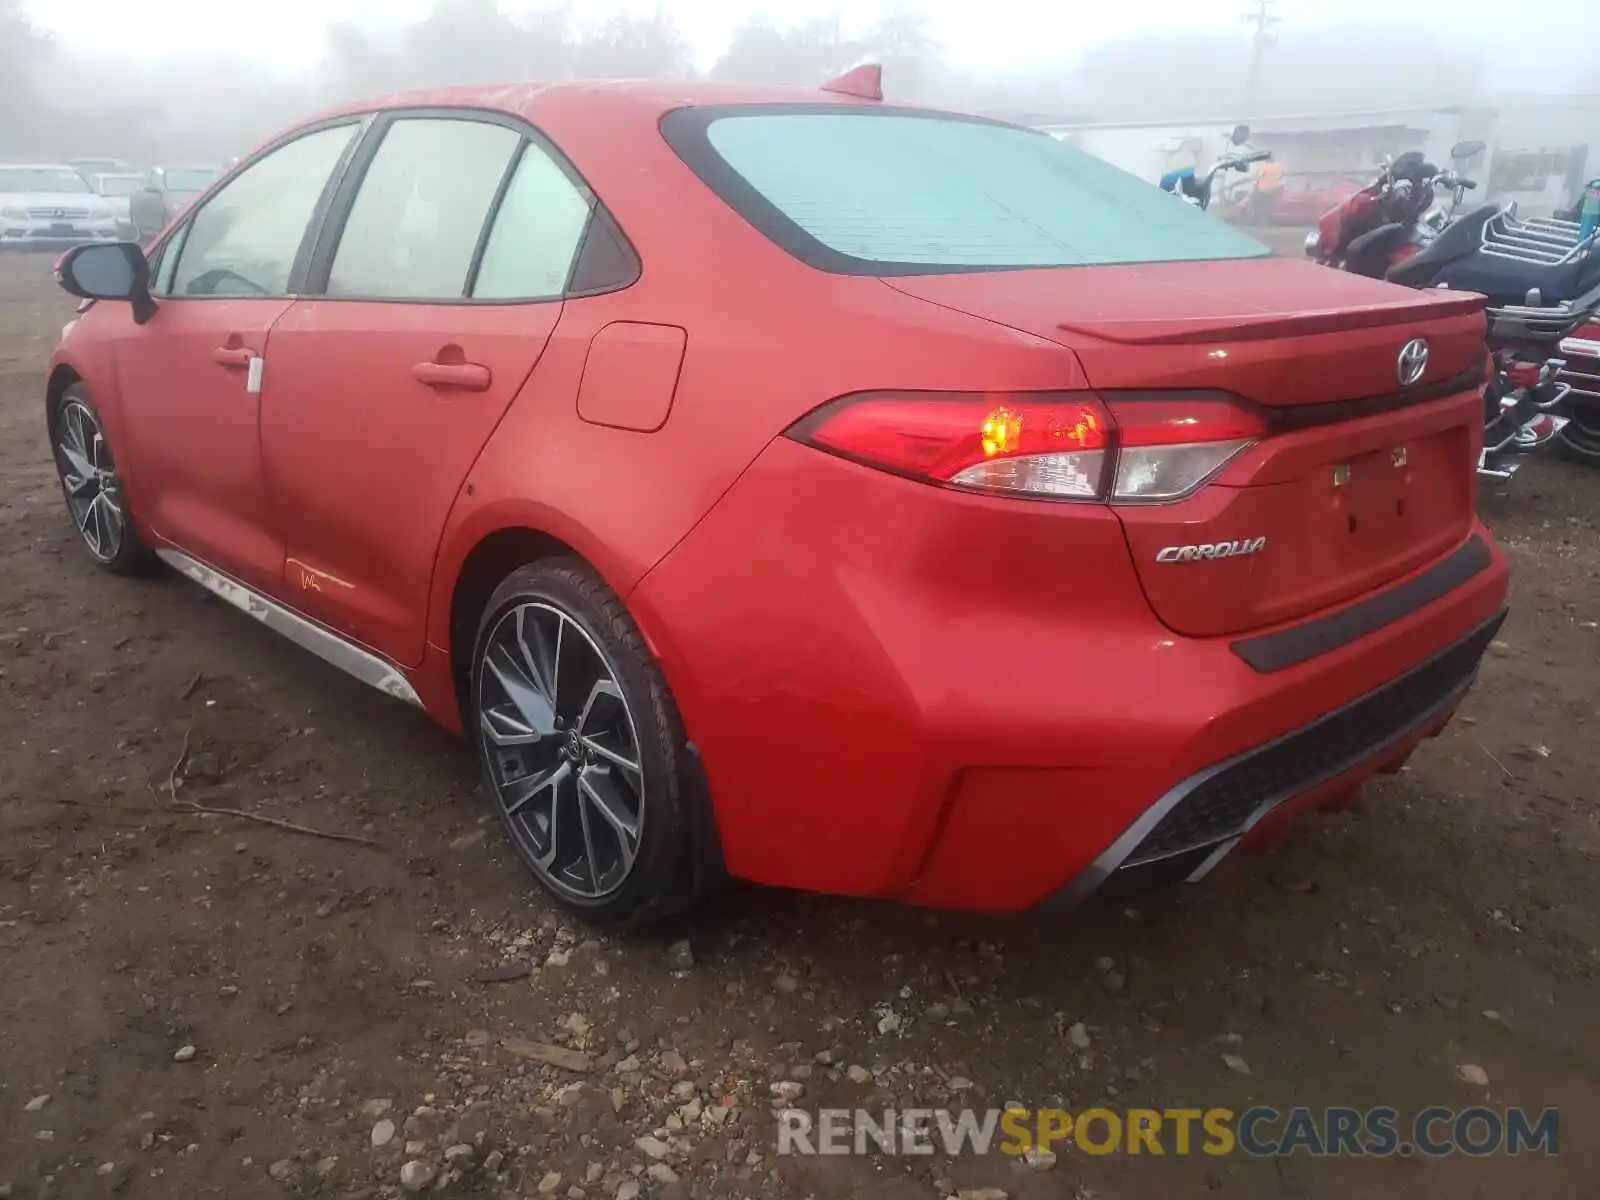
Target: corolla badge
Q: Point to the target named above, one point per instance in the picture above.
(1206, 551)
(1413, 361)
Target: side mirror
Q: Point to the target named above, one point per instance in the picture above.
(1240, 135)
(108, 271)
(1462, 151)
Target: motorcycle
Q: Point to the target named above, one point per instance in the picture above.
(1194, 188)
(1579, 370)
(1541, 280)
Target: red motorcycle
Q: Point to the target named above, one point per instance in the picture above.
(1541, 281)
(1580, 370)
(1384, 223)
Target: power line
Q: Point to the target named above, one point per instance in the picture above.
(1261, 37)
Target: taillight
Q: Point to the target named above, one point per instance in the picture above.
(1128, 448)
(1169, 446)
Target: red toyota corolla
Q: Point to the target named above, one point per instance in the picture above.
(794, 486)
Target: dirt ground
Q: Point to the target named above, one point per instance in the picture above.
(1451, 918)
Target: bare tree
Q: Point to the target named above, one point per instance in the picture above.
(21, 48)
(908, 53)
(627, 47)
(800, 55)
(464, 41)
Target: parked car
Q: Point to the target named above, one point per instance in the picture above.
(166, 192)
(90, 167)
(119, 188)
(50, 205)
(1302, 200)
(783, 484)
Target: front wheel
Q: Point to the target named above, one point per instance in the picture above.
(581, 747)
(95, 499)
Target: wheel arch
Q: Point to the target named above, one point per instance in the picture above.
(62, 376)
(494, 556)
(497, 552)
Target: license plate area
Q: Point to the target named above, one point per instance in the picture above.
(1388, 501)
(1371, 492)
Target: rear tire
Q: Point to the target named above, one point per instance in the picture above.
(89, 482)
(1580, 442)
(581, 747)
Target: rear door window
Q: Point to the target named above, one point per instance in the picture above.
(893, 192)
(536, 232)
(417, 218)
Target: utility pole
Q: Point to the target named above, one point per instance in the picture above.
(1262, 37)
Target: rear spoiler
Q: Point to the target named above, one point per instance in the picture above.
(1250, 328)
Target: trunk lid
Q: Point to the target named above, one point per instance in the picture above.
(1362, 481)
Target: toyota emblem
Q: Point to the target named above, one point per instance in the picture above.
(1413, 361)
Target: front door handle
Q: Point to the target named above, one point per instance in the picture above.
(459, 376)
(233, 356)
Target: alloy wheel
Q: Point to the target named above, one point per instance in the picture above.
(562, 750)
(90, 479)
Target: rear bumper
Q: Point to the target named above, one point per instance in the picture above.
(963, 702)
(1190, 828)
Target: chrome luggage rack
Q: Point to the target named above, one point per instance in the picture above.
(1542, 240)
(1542, 322)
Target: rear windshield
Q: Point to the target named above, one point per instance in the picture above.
(887, 192)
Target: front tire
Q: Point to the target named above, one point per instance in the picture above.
(90, 484)
(581, 747)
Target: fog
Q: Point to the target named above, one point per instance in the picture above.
(176, 79)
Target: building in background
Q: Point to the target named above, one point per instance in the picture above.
(1543, 149)
(1322, 142)
(1540, 149)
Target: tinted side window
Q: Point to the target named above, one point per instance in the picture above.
(536, 232)
(243, 242)
(420, 211)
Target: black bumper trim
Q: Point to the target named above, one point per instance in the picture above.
(1301, 643)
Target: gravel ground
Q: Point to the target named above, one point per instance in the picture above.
(199, 1005)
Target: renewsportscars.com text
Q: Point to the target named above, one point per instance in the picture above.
(1260, 1132)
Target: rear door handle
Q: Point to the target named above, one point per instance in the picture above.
(463, 376)
(233, 356)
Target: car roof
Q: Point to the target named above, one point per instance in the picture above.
(10, 166)
(636, 97)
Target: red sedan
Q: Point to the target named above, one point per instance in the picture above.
(792, 486)
(1303, 199)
